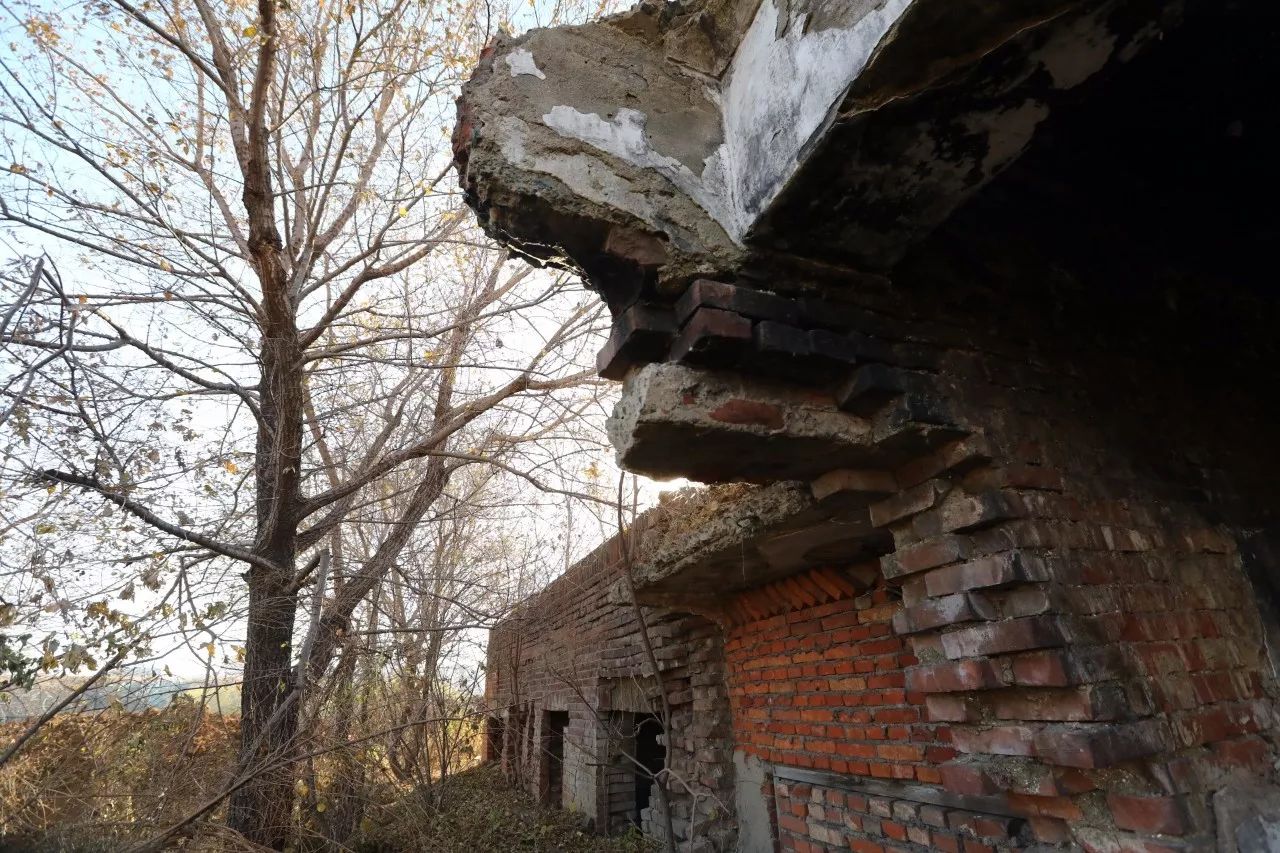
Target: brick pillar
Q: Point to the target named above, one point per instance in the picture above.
(1094, 651)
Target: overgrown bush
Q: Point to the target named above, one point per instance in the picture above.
(92, 781)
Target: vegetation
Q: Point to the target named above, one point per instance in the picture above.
(477, 810)
(102, 782)
(282, 432)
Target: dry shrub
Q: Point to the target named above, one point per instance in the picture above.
(91, 781)
(477, 810)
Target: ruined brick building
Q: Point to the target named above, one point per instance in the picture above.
(970, 305)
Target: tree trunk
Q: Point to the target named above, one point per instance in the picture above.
(346, 796)
(262, 809)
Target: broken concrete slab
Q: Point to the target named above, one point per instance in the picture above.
(714, 541)
(718, 427)
(684, 139)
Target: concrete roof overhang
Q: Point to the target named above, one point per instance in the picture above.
(695, 140)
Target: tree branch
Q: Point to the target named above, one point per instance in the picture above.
(137, 510)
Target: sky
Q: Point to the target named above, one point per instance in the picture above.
(183, 654)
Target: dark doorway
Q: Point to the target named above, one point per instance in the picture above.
(557, 722)
(1260, 556)
(493, 737)
(650, 755)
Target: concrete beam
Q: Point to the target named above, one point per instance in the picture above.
(716, 427)
(711, 545)
(683, 140)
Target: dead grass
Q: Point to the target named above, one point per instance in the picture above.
(476, 811)
(94, 783)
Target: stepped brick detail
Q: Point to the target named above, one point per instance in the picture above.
(965, 312)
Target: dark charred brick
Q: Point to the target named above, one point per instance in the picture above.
(641, 335)
(853, 348)
(712, 337)
(754, 304)
(869, 388)
(1099, 745)
(785, 352)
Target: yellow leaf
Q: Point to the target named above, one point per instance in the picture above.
(250, 31)
(210, 649)
(239, 650)
(404, 211)
(321, 807)
(82, 299)
(230, 466)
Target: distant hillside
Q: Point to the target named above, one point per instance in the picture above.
(129, 692)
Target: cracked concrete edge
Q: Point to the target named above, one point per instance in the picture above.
(682, 126)
(574, 137)
(708, 423)
(719, 521)
(678, 140)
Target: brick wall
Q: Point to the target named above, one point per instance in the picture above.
(1071, 571)
(1063, 633)
(823, 685)
(1078, 641)
(817, 818)
(575, 647)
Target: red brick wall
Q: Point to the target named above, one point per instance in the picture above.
(815, 818)
(1077, 636)
(823, 686)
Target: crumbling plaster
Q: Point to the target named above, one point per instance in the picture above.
(790, 69)
(725, 146)
(669, 142)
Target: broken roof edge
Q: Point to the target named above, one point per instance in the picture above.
(725, 518)
(676, 518)
(564, 159)
(710, 138)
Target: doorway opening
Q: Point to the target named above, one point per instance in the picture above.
(650, 755)
(557, 722)
(493, 739)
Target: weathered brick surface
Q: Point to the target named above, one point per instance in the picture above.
(1067, 626)
(1063, 620)
(575, 647)
(815, 818)
(824, 686)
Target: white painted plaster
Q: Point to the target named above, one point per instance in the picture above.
(624, 137)
(1085, 50)
(521, 62)
(580, 771)
(583, 174)
(780, 93)
(751, 807)
(1009, 132)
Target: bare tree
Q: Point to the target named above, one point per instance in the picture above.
(279, 330)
